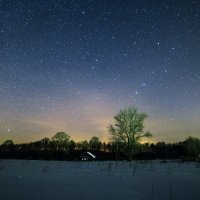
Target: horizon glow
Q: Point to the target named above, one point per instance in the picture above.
(72, 65)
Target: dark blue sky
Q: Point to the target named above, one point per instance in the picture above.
(72, 65)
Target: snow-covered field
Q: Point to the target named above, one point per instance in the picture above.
(46, 180)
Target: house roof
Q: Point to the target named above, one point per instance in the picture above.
(91, 154)
(88, 153)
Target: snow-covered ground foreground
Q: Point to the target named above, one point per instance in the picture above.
(137, 180)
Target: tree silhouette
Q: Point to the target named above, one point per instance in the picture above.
(7, 146)
(61, 141)
(44, 143)
(129, 129)
(192, 145)
(72, 145)
(95, 143)
(83, 145)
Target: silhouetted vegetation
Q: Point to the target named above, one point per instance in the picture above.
(129, 130)
(60, 147)
(124, 144)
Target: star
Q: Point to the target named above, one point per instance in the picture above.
(55, 59)
(143, 84)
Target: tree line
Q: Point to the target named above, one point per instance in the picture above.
(60, 147)
(124, 144)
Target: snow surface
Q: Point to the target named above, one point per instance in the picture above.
(50, 180)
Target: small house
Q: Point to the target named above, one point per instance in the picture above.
(87, 156)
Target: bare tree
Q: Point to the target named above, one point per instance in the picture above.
(129, 129)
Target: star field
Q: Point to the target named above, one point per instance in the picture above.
(72, 65)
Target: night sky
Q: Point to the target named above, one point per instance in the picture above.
(72, 65)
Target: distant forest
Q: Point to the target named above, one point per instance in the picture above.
(61, 147)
